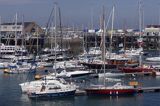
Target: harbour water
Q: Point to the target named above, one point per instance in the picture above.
(10, 94)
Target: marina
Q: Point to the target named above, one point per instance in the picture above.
(19, 99)
(95, 63)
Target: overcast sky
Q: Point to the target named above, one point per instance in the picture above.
(79, 12)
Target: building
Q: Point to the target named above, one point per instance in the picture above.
(152, 30)
(26, 28)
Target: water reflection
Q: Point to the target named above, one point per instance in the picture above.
(54, 102)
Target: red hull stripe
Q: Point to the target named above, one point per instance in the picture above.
(110, 91)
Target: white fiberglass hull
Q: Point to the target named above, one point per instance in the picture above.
(153, 59)
(109, 74)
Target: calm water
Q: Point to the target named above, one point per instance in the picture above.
(10, 95)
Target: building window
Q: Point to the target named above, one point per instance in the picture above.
(5, 27)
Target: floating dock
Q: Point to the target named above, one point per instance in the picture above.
(140, 73)
(148, 89)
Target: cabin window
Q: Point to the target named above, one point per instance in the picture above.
(54, 88)
(5, 27)
(51, 84)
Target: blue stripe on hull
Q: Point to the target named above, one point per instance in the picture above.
(52, 95)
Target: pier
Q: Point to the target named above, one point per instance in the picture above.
(148, 89)
(139, 73)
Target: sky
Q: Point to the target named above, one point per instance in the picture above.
(80, 13)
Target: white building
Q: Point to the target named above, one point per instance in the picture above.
(152, 30)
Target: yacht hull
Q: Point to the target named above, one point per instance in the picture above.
(110, 92)
(52, 95)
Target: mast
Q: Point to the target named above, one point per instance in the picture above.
(91, 18)
(91, 28)
(159, 14)
(159, 27)
(15, 32)
(60, 23)
(23, 32)
(102, 24)
(83, 41)
(140, 31)
(55, 31)
(124, 36)
(110, 46)
(37, 39)
(0, 29)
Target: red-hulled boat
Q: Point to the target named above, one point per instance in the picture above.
(98, 65)
(136, 69)
(116, 90)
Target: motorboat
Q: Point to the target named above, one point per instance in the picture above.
(69, 74)
(50, 89)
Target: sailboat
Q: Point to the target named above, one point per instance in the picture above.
(115, 90)
(140, 68)
(99, 63)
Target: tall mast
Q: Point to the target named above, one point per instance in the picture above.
(102, 24)
(140, 31)
(22, 31)
(159, 27)
(0, 29)
(16, 31)
(83, 42)
(55, 31)
(124, 37)
(91, 18)
(159, 14)
(37, 39)
(110, 46)
(91, 28)
(60, 23)
(103, 35)
(140, 18)
(51, 40)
